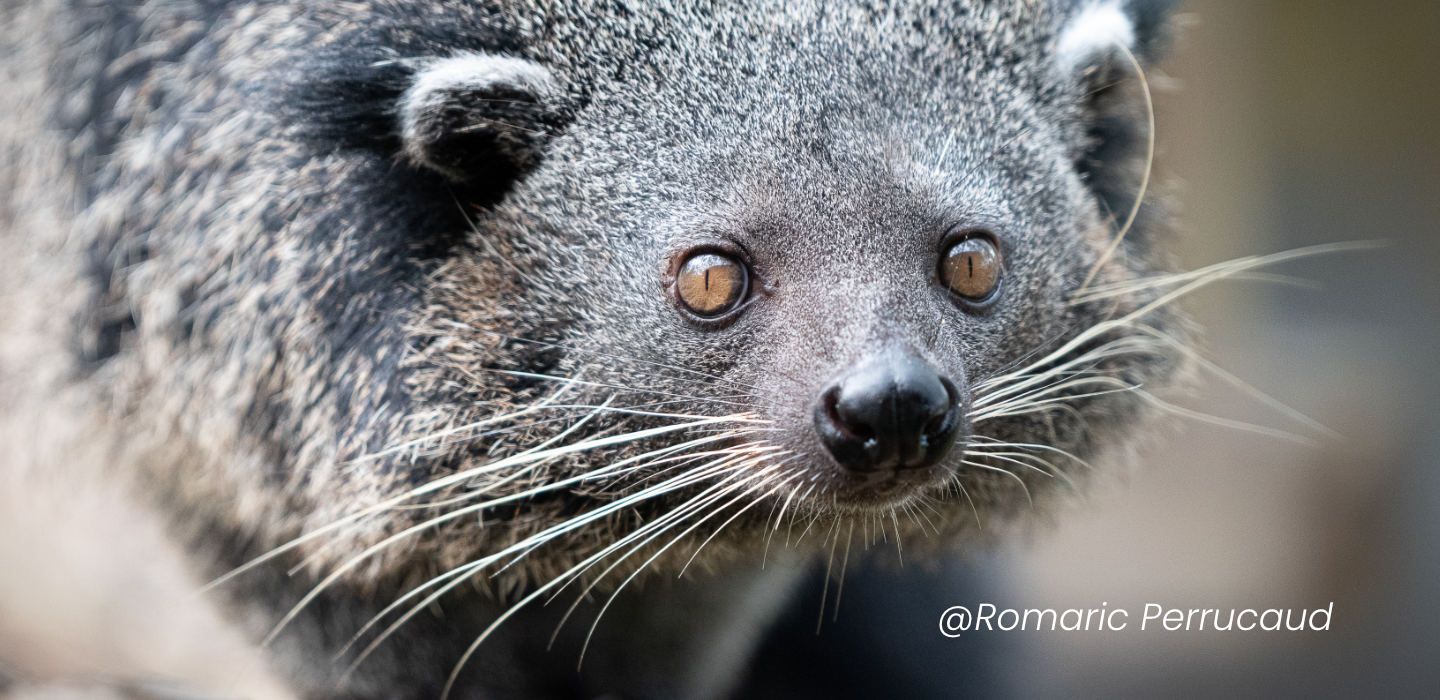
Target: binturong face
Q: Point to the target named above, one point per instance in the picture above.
(675, 280)
(843, 283)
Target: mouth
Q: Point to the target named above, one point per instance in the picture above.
(887, 489)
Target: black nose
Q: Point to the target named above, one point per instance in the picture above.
(892, 412)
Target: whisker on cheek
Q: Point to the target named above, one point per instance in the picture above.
(537, 593)
(662, 526)
(989, 442)
(466, 475)
(460, 574)
(1012, 475)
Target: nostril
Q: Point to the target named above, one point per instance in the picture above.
(937, 424)
(850, 429)
(952, 392)
(945, 416)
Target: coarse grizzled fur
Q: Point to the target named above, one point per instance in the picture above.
(289, 260)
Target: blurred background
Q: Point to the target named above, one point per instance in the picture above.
(1281, 124)
(1287, 123)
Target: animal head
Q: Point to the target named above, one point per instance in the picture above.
(548, 286)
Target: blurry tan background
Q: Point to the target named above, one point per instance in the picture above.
(1282, 124)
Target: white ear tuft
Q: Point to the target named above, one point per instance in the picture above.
(447, 86)
(480, 72)
(1098, 29)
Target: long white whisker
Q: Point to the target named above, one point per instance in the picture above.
(1033, 446)
(1027, 407)
(1238, 383)
(844, 565)
(540, 591)
(465, 475)
(1144, 179)
(1048, 469)
(692, 558)
(740, 485)
(1226, 269)
(729, 458)
(834, 536)
(647, 534)
(373, 549)
(479, 564)
(955, 478)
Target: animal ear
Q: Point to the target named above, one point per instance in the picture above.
(1104, 48)
(479, 119)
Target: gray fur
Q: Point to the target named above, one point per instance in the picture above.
(253, 256)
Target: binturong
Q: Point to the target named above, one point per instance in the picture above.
(443, 334)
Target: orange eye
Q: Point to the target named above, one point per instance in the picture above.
(711, 284)
(971, 267)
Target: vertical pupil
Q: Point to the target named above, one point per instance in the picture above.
(971, 267)
(709, 283)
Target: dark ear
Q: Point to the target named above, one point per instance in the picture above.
(1104, 48)
(478, 119)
